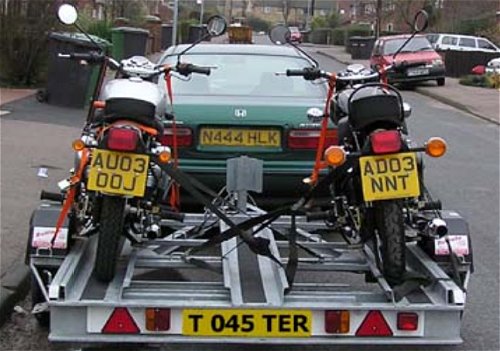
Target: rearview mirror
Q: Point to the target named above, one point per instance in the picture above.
(279, 35)
(216, 26)
(67, 14)
(421, 21)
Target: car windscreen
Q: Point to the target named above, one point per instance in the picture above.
(245, 74)
(416, 44)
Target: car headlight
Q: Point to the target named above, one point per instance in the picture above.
(437, 62)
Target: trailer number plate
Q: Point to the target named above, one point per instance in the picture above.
(248, 323)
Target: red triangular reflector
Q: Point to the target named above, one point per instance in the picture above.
(120, 322)
(374, 325)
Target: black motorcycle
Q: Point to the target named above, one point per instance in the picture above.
(375, 174)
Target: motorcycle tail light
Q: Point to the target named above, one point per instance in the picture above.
(122, 139)
(385, 141)
(309, 138)
(184, 137)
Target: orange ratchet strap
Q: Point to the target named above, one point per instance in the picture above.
(318, 164)
(71, 194)
(175, 200)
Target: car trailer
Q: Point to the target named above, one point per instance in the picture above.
(179, 290)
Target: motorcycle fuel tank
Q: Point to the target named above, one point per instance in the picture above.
(135, 88)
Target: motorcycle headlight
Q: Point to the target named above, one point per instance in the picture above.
(437, 62)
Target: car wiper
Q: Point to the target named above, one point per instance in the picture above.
(424, 49)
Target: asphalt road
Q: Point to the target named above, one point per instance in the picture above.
(466, 180)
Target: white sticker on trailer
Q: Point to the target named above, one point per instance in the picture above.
(42, 238)
(459, 245)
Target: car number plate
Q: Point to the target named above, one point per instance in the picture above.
(118, 172)
(417, 72)
(389, 176)
(240, 137)
(247, 323)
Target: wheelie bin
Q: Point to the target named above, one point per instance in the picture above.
(70, 83)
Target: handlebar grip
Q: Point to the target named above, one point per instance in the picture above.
(89, 57)
(201, 70)
(187, 68)
(46, 195)
(309, 73)
(295, 72)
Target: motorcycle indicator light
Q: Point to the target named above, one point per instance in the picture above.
(78, 145)
(335, 156)
(385, 141)
(435, 147)
(165, 156)
(407, 321)
(99, 104)
(337, 322)
(122, 139)
(157, 319)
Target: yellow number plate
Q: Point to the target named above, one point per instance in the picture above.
(248, 323)
(389, 176)
(118, 172)
(240, 137)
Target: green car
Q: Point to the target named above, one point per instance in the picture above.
(245, 108)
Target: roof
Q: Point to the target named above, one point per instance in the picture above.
(274, 50)
(401, 36)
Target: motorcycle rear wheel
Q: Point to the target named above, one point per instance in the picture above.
(110, 233)
(391, 248)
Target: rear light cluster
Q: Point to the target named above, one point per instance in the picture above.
(157, 319)
(122, 139)
(374, 323)
(385, 141)
(337, 322)
(184, 137)
(121, 321)
(309, 138)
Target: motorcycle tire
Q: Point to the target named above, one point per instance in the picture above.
(111, 228)
(389, 222)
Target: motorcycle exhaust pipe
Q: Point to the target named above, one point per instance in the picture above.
(437, 228)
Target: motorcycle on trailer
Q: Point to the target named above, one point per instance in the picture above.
(375, 176)
(118, 189)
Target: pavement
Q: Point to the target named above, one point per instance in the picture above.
(480, 102)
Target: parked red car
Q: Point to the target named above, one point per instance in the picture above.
(295, 35)
(418, 49)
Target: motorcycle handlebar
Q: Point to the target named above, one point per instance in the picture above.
(309, 73)
(186, 69)
(89, 57)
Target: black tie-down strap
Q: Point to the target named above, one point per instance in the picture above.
(257, 245)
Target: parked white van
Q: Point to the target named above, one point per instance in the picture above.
(441, 41)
